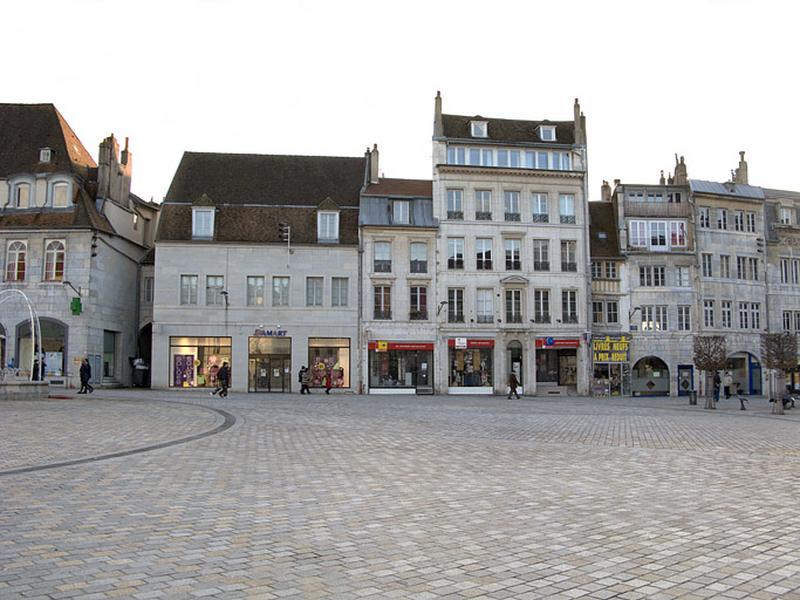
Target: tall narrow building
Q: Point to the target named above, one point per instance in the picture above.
(511, 253)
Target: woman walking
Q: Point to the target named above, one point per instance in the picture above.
(86, 375)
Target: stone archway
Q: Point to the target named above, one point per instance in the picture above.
(650, 377)
(53, 344)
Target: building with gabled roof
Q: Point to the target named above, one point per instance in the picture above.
(72, 235)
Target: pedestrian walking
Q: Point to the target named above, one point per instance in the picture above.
(328, 382)
(728, 383)
(223, 381)
(304, 389)
(513, 382)
(85, 375)
(717, 384)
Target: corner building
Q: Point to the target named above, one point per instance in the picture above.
(256, 265)
(511, 254)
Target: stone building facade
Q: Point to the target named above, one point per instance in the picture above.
(72, 236)
(512, 253)
(256, 265)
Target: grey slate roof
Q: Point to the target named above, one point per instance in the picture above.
(376, 202)
(735, 190)
(507, 130)
(772, 194)
(603, 234)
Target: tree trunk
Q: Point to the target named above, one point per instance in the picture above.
(709, 391)
(777, 405)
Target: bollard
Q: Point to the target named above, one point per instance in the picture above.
(693, 398)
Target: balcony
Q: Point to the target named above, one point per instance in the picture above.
(418, 315)
(484, 265)
(513, 318)
(541, 218)
(455, 263)
(567, 219)
(457, 215)
(570, 319)
(383, 315)
(657, 209)
(605, 286)
(569, 267)
(512, 216)
(541, 265)
(419, 266)
(540, 318)
(455, 317)
(383, 266)
(483, 216)
(485, 319)
(513, 265)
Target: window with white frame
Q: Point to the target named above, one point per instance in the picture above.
(569, 306)
(314, 291)
(45, 155)
(597, 269)
(611, 269)
(541, 255)
(255, 290)
(484, 305)
(652, 276)
(755, 315)
(54, 252)
(455, 305)
(704, 217)
(569, 259)
(455, 253)
(22, 195)
(400, 213)
(598, 312)
(479, 129)
(797, 321)
(60, 195)
(328, 226)
(541, 306)
(188, 289)
(513, 250)
(722, 218)
(419, 257)
(638, 234)
(785, 270)
(707, 269)
(483, 205)
(511, 199)
(418, 305)
(566, 208)
(547, 133)
(727, 314)
(677, 234)
(751, 222)
(280, 291)
(795, 271)
(514, 306)
(339, 287)
(741, 267)
(382, 302)
(203, 223)
(708, 313)
(541, 208)
(786, 216)
(382, 262)
(787, 321)
(682, 276)
(483, 254)
(744, 315)
(455, 204)
(16, 260)
(724, 266)
(149, 290)
(684, 317)
(738, 220)
(612, 312)
(658, 235)
(752, 264)
(215, 286)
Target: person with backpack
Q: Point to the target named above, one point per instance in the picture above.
(223, 381)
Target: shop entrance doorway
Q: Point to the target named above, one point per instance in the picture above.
(515, 359)
(272, 373)
(269, 366)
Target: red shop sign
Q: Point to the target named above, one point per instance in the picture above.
(403, 345)
(473, 343)
(558, 343)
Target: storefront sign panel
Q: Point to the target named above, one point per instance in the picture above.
(259, 332)
(470, 344)
(385, 346)
(611, 350)
(547, 343)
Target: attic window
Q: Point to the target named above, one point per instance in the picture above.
(45, 154)
(328, 226)
(203, 223)
(479, 129)
(547, 133)
(601, 235)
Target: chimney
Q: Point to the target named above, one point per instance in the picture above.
(605, 191)
(579, 123)
(661, 180)
(741, 172)
(438, 126)
(681, 178)
(373, 165)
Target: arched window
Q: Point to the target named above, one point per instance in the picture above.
(15, 261)
(22, 195)
(60, 195)
(54, 261)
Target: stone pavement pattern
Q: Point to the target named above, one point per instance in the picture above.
(404, 497)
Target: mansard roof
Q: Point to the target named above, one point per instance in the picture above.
(376, 207)
(416, 188)
(507, 130)
(82, 215)
(267, 180)
(26, 128)
(603, 234)
(735, 190)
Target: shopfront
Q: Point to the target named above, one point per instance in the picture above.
(400, 367)
(557, 362)
(471, 366)
(195, 361)
(269, 365)
(331, 357)
(52, 344)
(611, 370)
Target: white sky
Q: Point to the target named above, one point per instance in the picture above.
(704, 79)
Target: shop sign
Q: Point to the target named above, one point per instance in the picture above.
(610, 349)
(550, 342)
(385, 346)
(382, 346)
(471, 344)
(259, 332)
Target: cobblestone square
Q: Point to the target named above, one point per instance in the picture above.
(146, 494)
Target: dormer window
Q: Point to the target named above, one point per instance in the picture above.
(60, 195)
(400, 212)
(203, 223)
(328, 226)
(479, 129)
(45, 155)
(547, 133)
(22, 195)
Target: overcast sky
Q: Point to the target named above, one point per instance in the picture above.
(704, 78)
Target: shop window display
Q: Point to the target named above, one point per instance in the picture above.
(471, 367)
(195, 361)
(329, 356)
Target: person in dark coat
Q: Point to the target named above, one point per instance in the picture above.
(513, 382)
(304, 380)
(328, 381)
(86, 375)
(223, 381)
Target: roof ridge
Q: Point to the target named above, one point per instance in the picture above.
(203, 153)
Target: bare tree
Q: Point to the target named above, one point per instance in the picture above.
(778, 351)
(710, 356)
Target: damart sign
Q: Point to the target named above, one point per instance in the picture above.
(270, 332)
(610, 349)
